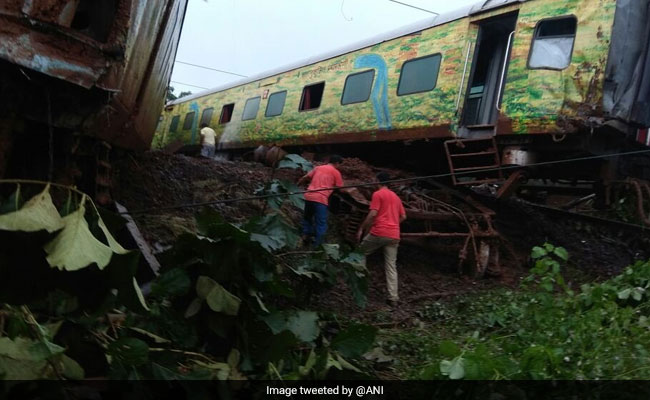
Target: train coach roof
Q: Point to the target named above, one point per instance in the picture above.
(440, 19)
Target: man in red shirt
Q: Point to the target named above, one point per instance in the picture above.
(386, 214)
(314, 222)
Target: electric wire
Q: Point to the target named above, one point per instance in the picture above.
(187, 84)
(210, 68)
(366, 184)
(417, 8)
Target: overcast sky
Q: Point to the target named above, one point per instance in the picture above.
(247, 37)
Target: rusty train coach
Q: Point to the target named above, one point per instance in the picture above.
(79, 77)
(501, 82)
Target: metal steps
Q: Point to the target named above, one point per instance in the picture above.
(477, 161)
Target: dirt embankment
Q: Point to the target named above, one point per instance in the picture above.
(157, 180)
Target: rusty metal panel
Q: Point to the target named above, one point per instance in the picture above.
(51, 53)
(59, 12)
(141, 84)
(154, 90)
(144, 26)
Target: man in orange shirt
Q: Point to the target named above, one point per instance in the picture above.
(314, 223)
(386, 214)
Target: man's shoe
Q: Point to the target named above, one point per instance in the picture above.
(392, 303)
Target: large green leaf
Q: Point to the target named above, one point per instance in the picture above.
(14, 370)
(203, 286)
(332, 251)
(174, 282)
(13, 203)
(39, 213)
(121, 275)
(28, 350)
(454, 369)
(355, 340)
(112, 243)
(303, 324)
(216, 296)
(297, 200)
(449, 349)
(75, 247)
(294, 161)
(71, 368)
(211, 224)
(272, 232)
(270, 243)
(26, 359)
(129, 351)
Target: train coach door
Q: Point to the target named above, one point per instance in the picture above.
(488, 75)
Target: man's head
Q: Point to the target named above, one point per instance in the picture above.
(335, 159)
(204, 125)
(383, 178)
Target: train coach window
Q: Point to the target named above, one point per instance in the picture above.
(275, 104)
(226, 113)
(189, 119)
(173, 126)
(250, 109)
(419, 75)
(357, 87)
(553, 43)
(312, 96)
(206, 117)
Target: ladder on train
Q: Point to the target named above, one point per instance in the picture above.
(473, 161)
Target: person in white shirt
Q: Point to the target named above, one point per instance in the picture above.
(208, 140)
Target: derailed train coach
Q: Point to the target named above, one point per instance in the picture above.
(501, 82)
(79, 77)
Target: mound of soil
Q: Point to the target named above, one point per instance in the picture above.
(154, 181)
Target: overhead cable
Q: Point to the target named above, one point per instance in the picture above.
(187, 84)
(417, 8)
(210, 68)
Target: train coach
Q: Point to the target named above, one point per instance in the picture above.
(509, 81)
(78, 78)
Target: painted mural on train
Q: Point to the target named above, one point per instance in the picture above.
(530, 100)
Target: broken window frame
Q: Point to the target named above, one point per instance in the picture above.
(231, 109)
(536, 37)
(301, 107)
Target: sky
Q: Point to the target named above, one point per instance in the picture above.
(248, 37)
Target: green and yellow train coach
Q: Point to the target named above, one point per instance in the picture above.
(539, 78)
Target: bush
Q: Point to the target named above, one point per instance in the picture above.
(548, 331)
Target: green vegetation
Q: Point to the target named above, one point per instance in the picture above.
(231, 302)
(545, 330)
(227, 304)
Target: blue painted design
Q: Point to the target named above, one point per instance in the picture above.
(194, 106)
(380, 88)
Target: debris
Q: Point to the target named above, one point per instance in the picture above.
(144, 247)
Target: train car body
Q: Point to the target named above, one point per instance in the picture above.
(82, 68)
(508, 69)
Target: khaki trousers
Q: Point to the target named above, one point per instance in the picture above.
(370, 244)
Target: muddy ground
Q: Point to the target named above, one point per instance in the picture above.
(156, 180)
